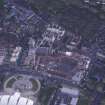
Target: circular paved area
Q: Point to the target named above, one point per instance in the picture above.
(27, 86)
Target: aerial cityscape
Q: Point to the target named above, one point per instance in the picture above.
(52, 52)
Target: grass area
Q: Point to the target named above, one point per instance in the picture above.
(10, 83)
(35, 85)
(103, 102)
(83, 101)
(45, 94)
(85, 97)
(1, 3)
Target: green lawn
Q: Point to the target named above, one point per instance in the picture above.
(10, 83)
(35, 85)
(45, 94)
(1, 3)
(83, 101)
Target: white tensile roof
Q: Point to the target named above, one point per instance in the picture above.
(74, 101)
(4, 100)
(15, 99)
(70, 91)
